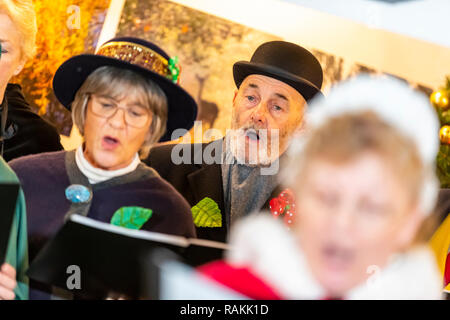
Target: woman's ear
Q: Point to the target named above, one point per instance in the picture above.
(149, 133)
(151, 128)
(19, 67)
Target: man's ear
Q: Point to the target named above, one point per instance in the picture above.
(301, 127)
(302, 121)
(236, 91)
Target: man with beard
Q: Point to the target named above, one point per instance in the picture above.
(234, 176)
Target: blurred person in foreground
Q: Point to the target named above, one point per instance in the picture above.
(363, 177)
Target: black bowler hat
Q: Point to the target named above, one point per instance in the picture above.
(139, 56)
(286, 62)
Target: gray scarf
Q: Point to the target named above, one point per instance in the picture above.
(245, 189)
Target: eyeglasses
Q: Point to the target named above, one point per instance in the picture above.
(135, 115)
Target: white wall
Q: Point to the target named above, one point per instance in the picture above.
(426, 20)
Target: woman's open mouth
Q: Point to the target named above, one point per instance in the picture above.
(110, 143)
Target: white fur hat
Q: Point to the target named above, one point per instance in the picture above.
(394, 102)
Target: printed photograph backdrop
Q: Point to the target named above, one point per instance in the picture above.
(207, 48)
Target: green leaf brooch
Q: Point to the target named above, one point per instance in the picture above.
(131, 217)
(206, 213)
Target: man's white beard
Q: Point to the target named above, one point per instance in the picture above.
(259, 153)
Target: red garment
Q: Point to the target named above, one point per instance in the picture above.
(241, 280)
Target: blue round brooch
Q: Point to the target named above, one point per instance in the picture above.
(77, 193)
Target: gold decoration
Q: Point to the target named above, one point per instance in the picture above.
(441, 99)
(137, 55)
(444, 134)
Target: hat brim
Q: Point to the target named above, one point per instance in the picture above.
(243, 69)
(182, 108)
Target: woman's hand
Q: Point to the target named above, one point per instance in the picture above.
(7, 282)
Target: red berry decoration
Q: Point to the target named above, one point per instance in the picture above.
(282, 201)
(284, 205)
(288, 195)
(276, 207)
(289, 218)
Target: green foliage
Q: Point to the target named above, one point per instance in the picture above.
(443, 158)
(444, 116)
(443, 165)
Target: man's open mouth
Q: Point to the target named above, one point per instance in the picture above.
(252, 135)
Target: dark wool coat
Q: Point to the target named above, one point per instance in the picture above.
(25, 132)
(46, 176)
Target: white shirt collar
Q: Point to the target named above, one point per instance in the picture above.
(96, 175)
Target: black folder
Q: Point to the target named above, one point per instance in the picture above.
(8, 199)
(110, 259)
(168, 278)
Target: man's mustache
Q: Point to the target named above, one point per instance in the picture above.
(252, 127)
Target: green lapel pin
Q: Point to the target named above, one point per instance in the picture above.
(206, 213)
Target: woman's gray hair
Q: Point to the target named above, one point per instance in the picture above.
(117, 83)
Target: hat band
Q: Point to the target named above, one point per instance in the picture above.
(136, 54)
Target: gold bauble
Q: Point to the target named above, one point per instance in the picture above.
(444, 134)
(440, 99)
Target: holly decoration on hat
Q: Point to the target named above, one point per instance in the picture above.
(440, 99)
(284, 206)
(175, 70)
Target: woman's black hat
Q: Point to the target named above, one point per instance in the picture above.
(137, 55)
